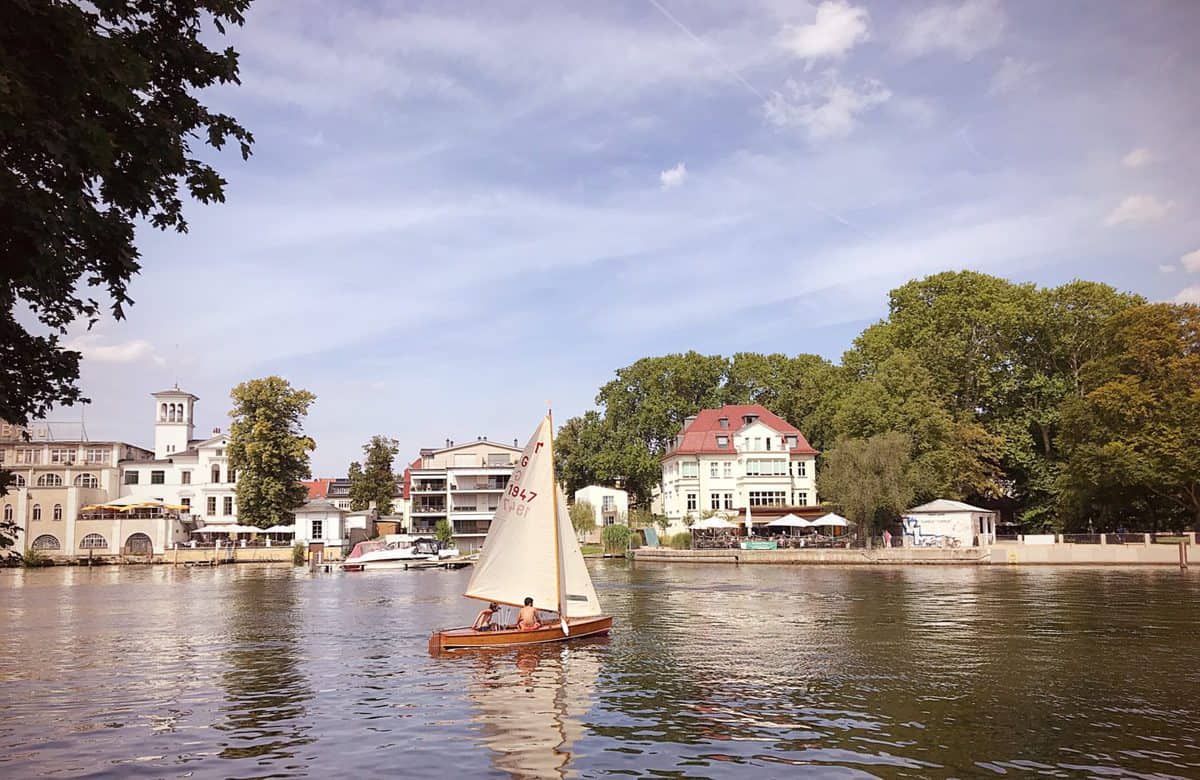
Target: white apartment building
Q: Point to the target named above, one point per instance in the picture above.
(610, 504)
(53, 479)
(185, 470)
(461, 483)
(735, 457)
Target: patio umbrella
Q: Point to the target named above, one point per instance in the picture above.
(832, 519)
(790, 521)
(712, 523)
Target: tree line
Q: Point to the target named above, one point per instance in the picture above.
(1065, 408)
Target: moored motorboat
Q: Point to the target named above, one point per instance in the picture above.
(400, 552)
(531, 552)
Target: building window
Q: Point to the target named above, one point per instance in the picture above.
(162, 413)
(690, 469)
(233, 475)
(49, 480)
(318, 529)
(158, 477)
(29, 456)
(216, 473)
(728, 501)
(37, 511)
(8, 511)
(45, 543)
(713, 469)
(802, 498)
(715, 501)
(131, 477)
(724, 422)
(220, 453)
(768, 497)
(185, 477)
(93, 542)
(227, 505)
(187, 504)
(728, 469)
(212, 506)
(768, 443)
(18, 480)
(58, 511)
(791, 442)
(87, 481)
(758, 442)
(607, 503)
(762, 467)
(498, 459)
(801, 468)
(96, 455)
(691, 502)
(59, 455)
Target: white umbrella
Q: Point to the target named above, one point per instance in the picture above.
(831, 519)
(712, 522)
(790, 521)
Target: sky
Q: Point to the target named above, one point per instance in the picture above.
(456, 212)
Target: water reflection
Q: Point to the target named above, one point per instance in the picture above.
(265, 690)
(531, 702)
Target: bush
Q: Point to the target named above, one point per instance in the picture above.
(680, 541)
(33, 559)
(298, 554)
(616, 538)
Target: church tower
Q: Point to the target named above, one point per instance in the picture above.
(173, 421)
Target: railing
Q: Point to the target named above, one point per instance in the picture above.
(477, 527)
(1082, 538)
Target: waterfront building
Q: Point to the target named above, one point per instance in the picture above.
(461, 483)
(611, 504)
(186, 471)
(724, 460)
(54, 477)
(320, 522)
(944, 520)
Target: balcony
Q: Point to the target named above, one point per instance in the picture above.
(429, 509)
(429, 487)
(480, 487)
(472, 527)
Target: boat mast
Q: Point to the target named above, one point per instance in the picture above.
(558, 572)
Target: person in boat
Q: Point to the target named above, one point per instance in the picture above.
(527, 618)
(483, 621)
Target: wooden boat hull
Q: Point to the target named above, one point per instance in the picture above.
(453, 639)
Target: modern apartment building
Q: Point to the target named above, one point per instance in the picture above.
(735, 457)
(461, 483)
(54, 477)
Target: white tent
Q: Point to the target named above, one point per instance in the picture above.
(229, 529)
(790, 521)
(831, 519)
(712, 523)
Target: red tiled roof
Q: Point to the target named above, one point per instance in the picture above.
(700, 437)
(317, 488)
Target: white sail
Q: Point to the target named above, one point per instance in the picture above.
(579, 595)
(520, 555)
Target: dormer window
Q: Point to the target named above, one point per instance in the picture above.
(723, 442)
(791, 442)
(724, 421)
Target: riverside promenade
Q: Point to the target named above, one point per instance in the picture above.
(1145, 553)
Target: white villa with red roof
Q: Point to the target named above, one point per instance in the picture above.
(737, 456)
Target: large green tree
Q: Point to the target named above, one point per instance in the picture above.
(1133, 435)
(374, 481)
(100, 126)
(268, 448)
(802, 390)
(583, 517)
(868, 479)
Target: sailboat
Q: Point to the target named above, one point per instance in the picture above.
(531, 552)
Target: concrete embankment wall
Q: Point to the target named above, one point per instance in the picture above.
(1003, 554)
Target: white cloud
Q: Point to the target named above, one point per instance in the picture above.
(1166, 268)
(1139, 210)
(673, 177)
(122, 352)
(838, 28)
(826, 109)
(1191, 261)
(963, 30)
(1189, 295)
(1137, 158)
(1012, 74)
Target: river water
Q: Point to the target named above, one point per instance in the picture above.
(712, 671)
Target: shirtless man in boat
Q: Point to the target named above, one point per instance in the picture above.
(483, 621)
(527, 618)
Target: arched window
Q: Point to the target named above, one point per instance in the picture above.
(139, 544)
(18, 480)
(162, 413)
(8, 511)
(58, 511)
(46, 542)
(93, 542)
(37, 511)
(49, 480)
(87, 481)
(216, 473)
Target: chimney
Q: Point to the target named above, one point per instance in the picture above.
(515, 441)
(216, 431)
(447, 442)
(485, 438)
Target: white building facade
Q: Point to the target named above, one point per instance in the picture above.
(611, 505)
(461, 483)
(738, 456)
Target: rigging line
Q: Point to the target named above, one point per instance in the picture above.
(733, 71)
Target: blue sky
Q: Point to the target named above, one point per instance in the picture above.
(456, 211)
